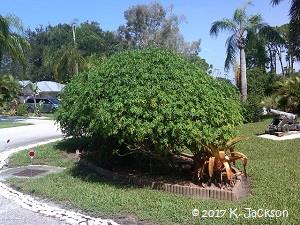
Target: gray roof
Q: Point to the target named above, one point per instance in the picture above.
(44, 86)
(50, 86)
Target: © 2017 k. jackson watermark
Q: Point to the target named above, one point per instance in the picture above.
(235, 213)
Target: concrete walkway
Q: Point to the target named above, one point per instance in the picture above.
(290, 136)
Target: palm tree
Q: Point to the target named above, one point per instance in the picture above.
(11, 40)
(65, 62)
(241, 26)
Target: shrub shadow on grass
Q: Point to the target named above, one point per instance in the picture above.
(86, 174)
(101, 155)
(72, 144)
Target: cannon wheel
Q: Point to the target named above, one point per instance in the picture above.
(285, 128)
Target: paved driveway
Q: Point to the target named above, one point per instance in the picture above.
(41, 130)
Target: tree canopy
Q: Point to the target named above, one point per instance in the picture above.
(152, 25)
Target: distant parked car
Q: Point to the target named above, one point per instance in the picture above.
(48, 104)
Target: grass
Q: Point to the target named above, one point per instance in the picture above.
(274, 168)
(50, 116)
(7, 124)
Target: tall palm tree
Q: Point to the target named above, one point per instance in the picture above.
(241, 26)
(11, 40)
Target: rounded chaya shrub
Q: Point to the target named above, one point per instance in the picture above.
(152, 99)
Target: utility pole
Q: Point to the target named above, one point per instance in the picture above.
(75, 47)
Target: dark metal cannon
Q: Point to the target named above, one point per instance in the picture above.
(282, 122)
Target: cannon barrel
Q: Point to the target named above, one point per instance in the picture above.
(290, 116)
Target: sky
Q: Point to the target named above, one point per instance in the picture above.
(199, 14)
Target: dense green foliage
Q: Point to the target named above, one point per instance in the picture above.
(21, 110)
(9, 89)
(53, 55)
(252, 109)
(260, 85)
(287, 95)
(152, 99)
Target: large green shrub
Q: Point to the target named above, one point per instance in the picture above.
(151, 99)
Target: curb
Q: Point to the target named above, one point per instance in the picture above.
(28, 202)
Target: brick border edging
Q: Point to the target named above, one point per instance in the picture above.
(239, 191)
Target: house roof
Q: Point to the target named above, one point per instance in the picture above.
(50, 86)
(44, 86)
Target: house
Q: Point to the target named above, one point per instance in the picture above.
(44, 88)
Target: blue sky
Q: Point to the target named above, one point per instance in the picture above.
(199, 15)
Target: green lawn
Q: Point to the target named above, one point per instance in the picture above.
(274, 168)
(50, 116)
(7, 124)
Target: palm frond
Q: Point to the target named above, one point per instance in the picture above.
(256, 22)
(240, 15)
(295, 11)
(16, 45)
(222, 25)
(64, 61)
(15, 23)
(4, 28)
(12, 41)
(275, 2)
(232, 47)
(235, 140)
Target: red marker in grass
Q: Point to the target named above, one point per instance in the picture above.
(31, 154)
